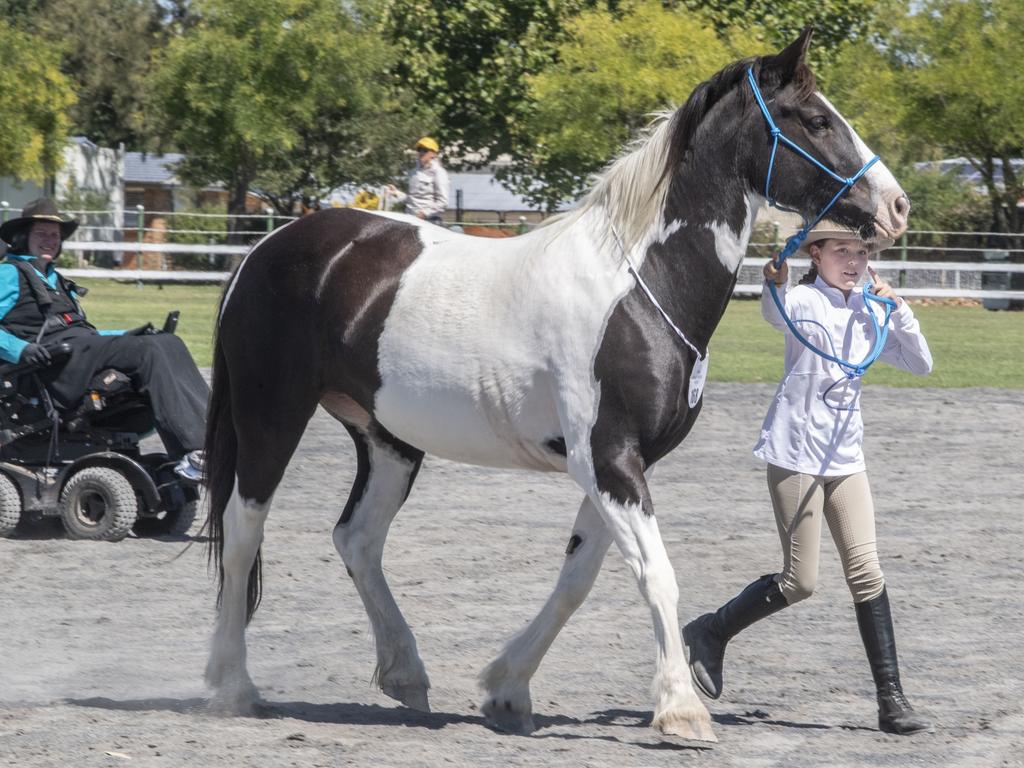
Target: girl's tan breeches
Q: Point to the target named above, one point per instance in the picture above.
(800, 502)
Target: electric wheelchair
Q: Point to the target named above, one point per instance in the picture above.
(84, 464)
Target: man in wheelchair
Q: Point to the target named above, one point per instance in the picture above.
(44, 331)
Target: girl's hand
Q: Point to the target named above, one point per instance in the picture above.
(778, 276)
(881, 288)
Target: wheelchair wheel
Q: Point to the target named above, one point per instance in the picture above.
(10, 506)
(98, 503)
(176, 522)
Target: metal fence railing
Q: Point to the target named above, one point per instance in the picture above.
(972, 265)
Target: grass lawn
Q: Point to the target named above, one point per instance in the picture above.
(972, 347)
(112, 304)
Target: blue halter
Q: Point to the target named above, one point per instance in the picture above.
(852, 370)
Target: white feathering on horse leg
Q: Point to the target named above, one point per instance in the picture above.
(506, 680)
(360, 542)
(677, 710)
(226, 669)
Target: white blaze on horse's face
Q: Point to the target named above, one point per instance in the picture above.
(891, 204)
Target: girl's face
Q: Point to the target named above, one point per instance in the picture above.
(841, 263)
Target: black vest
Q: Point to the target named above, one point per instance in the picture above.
(37, 301)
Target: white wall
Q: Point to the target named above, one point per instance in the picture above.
(100, 170)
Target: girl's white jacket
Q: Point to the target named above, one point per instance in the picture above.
(814, 424)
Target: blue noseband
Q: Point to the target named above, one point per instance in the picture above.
(852, 370)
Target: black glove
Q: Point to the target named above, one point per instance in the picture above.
(142, 330)
(35, 354)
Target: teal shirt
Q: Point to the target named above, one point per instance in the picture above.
(11, 346)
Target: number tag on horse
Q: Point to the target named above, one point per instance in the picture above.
(697, 375)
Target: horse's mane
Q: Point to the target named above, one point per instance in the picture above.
(633, 187)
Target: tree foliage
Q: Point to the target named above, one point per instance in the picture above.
(469, 59)
(291, 95)
(963, 91)
(834, 21)
(105, 48)
(941, 201)
(938, 83)
(611, 75)
(34, 125)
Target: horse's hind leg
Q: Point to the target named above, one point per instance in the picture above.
(269, 430)
(226, 668)
(506, 680)
(387, 469)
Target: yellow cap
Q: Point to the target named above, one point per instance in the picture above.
(428, 143)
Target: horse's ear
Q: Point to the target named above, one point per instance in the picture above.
(784, 64)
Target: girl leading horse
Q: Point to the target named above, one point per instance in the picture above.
(577, 348)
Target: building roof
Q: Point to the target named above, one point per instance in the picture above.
(967, 173)
(481, 191)
(151, 168)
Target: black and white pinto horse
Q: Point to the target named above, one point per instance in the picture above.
(536, 352)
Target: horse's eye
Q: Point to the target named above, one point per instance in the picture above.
(818, 123)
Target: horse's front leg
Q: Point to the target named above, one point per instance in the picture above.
(506, 680)
(617, 486)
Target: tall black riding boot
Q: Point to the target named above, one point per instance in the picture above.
(895, 715)
(706, 636)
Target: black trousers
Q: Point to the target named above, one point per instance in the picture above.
(159, 366)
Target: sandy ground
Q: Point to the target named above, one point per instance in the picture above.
(103, 645)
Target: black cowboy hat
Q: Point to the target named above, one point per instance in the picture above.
(43, 209)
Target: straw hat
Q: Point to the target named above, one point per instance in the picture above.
(829, 230)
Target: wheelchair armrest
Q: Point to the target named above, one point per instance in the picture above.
(58, 354)
(171, 322)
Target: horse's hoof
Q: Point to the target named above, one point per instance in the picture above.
(412, 696)
(242, 700)
(501, 716)
(690, 730)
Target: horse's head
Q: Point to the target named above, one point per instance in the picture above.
(876, 204)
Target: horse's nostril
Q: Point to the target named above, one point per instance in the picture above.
(902, 205)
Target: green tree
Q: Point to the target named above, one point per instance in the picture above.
(34, 126)
(469, 60)
(612, 74)
(936, 81)
(963, 91)
(942, 201)
(105, 49)
(834, 21)
(278, 93)
(358, 139)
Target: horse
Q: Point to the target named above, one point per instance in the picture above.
(539, 351)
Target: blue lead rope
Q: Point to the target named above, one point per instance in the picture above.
(852, 370)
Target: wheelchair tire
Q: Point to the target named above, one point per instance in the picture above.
(10, 506)
(176, 522)
(98, 503)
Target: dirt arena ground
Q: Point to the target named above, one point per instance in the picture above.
(102, 645)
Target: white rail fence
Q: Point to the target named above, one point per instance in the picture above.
(992, 281)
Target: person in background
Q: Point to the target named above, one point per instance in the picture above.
(427, 197)
(812, 441)
(40, 308)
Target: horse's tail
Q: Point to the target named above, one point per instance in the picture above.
(221, 456)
